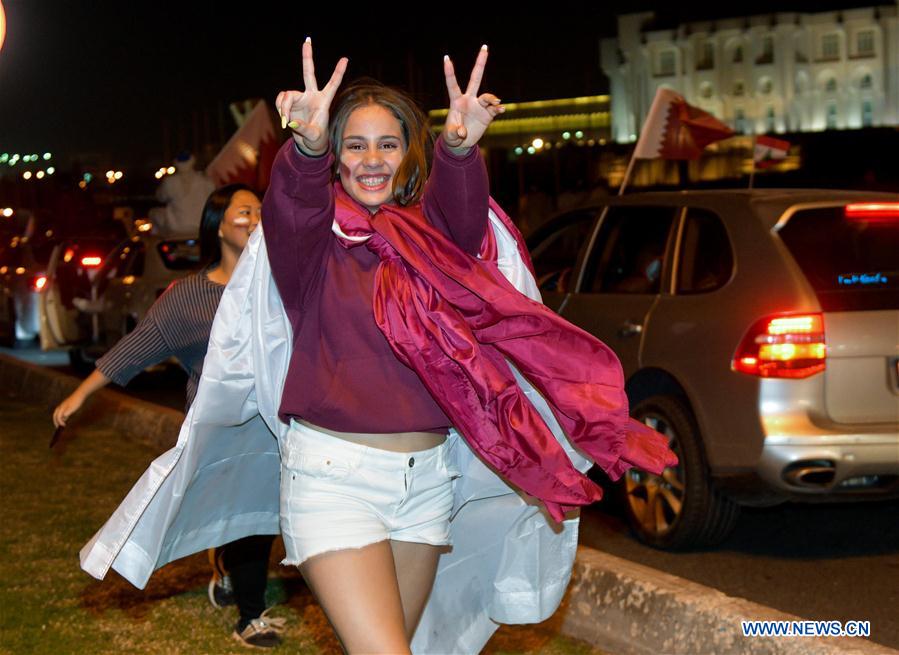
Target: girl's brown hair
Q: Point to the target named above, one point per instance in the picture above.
(409, 180)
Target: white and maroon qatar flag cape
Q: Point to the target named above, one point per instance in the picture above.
(509, 563)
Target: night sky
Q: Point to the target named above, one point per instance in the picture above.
(110, 77)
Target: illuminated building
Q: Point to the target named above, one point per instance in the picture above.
(784, 72)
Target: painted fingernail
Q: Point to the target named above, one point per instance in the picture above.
(484, 47)
(293, 125)
(283, 121)
(308, 39)
(445, 57)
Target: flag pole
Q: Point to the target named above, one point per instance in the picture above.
(752, 158)
(628, 172)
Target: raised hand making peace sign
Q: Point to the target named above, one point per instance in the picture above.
(469, 114)
(306, 112)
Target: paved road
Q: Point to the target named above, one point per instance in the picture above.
(816, 561)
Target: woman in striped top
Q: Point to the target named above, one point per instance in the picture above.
(178, 325)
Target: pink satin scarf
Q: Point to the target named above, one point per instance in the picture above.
(455, 320)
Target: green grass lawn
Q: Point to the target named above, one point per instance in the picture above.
(51, 503)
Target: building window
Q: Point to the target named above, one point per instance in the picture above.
(830, 46)
(765, 86)
(831, 116)
(867, 113)
(864, 43)
(739, 88)
(831, 85)
(705, 56)
(666, 63)
(740, 121)
(801, 57)
(766, 51)
(738, 55)
(770, 119)
(866, 82)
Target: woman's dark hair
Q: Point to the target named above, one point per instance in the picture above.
(409, 180)
(213, 212)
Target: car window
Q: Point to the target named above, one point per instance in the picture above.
(180, 254)
(629, 253)
(850, 261)
(706, 258)
(556, 249)
(132, 259)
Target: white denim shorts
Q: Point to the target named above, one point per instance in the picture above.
(337, 495)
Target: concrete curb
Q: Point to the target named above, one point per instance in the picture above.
(133, 419)
(631, 609)
(612, 603)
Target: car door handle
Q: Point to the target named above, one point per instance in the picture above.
(630, 329)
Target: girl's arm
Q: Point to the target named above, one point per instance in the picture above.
(456, 196)
(95, 381)
(136, 351)
(299, 205)
(297, 213)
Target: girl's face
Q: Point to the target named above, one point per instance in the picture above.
(370, 155)
(240, 219)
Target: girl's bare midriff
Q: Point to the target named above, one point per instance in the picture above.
(398, 442)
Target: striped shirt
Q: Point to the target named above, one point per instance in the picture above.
(177, 325)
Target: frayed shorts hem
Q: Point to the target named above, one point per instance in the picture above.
(298, 561)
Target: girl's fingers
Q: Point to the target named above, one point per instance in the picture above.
(279, 107)
(336, 78)
(308, 66)
(452, 86)
(487, 99)
(474, 82)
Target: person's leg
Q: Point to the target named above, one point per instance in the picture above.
(220, 592)
(357, 588)
(416, 566)
(246, 561)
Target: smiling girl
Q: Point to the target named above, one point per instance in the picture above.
(402, 326)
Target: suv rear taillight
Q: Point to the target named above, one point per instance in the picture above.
(39, 282)
(872, 211)
(91, 261)
(789, 346)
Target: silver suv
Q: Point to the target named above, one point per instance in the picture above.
(758, 330)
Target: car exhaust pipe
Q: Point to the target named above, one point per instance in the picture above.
(813, 474)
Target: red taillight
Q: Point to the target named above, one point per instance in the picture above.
(91, 261)
(873, 211)
(790, 346)
(39, 282)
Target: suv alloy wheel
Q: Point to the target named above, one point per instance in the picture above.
(679, 509)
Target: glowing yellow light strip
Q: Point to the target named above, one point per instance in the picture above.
(539, 104)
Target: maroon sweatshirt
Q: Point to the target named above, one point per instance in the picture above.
(343, 374)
